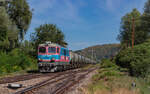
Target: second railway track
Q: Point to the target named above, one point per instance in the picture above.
(22, 77)
(57, 84)
(26, 77)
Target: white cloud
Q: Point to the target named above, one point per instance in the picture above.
(67, 11)
(41, 6)
(56, 11)
(116, 5)
(109, 5)
(113, 4)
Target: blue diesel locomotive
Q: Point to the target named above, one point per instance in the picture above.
(53, 57)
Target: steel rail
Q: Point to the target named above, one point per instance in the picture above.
(67, 84)
(48, 81)
(44, 83)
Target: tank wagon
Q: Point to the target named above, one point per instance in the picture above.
(53, 57)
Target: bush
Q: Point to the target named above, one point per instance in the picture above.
(136, 60)
(15, 61)
(106, 63)
(108, 69)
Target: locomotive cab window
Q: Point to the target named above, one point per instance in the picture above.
(65, 53)
(57, 50)
(42, 50)
(52, 50)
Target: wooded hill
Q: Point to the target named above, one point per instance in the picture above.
(99, 52)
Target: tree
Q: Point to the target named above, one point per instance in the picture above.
(3, 27)
(146, 17)
(20, 13)
(27, 48)
(8, 31)
(147, 7)
(126, 28)
(48, 32)
(136, 60)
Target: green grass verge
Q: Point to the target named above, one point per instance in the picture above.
(113, 79)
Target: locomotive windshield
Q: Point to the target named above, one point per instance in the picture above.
(52, 50)
(42, 50)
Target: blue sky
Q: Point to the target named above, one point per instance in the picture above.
(84, 22)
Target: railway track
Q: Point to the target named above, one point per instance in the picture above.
(64, 86)
(57, 84)
(23, 77)
(26, 77)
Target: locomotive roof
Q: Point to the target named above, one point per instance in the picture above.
(50, 44)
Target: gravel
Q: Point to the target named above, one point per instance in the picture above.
(27, 83)
(79, 88)
(76, 89)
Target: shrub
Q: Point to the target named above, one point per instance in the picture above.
(106, 63)
(15, 61)
(108, 69)
(136, 60)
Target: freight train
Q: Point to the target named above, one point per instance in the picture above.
(53, 57)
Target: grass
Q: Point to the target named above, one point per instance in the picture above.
(111, 79)
(144, 85)
(88, 66)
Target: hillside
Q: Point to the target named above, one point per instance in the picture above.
(100, 51)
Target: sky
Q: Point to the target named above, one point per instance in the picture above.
(84, 22)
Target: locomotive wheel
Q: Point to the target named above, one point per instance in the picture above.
(65, 67)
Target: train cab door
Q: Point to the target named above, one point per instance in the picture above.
(58, 53)
(62, 55)
(66, 55)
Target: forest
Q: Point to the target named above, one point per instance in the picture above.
(134, 39)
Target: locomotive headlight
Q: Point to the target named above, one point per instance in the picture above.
(53, 59)
(40, 59)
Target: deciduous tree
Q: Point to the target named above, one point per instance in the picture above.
(20, 13)
(126, 28)
(146, 17)
(8, 31)
(48, 32)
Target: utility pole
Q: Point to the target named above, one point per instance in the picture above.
(133, 32)
(92, 53)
